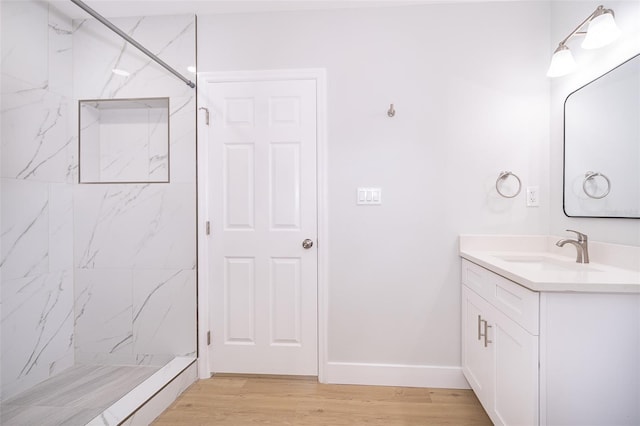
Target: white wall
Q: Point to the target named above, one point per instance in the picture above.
(469, 87)
(592, 63)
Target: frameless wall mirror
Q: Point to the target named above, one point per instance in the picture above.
(124, 140)
(602, 145)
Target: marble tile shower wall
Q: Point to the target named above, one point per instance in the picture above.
(89, 273)
(135, 291)
(37, 175)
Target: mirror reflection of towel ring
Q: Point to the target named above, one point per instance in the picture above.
(590, 176)
(503, 176)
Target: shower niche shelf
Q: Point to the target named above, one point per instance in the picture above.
(124, 140)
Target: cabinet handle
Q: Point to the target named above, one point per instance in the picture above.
(479, 327)
(486, 334)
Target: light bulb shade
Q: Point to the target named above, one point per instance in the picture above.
(562, 62)
(602, 31)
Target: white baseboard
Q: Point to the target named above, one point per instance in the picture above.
(421, 376)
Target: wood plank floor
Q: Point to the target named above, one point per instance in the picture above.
(255, 400)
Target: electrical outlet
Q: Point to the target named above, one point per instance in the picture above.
(533, 196)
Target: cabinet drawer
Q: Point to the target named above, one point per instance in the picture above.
(476, 278)
(516, 302)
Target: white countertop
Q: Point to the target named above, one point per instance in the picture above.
(537, 264)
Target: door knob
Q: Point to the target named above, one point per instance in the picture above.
(307, 244)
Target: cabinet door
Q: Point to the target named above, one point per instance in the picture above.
(515, 399)
(477, 360)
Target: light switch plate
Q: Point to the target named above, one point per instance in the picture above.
(369, 196)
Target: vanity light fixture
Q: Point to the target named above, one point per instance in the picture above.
(601, 30)
(562, 62)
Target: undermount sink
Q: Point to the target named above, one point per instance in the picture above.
(544, 263)
(538, 264)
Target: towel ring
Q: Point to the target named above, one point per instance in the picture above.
(590, 176)
(503, 176)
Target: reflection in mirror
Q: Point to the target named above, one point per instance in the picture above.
(124, 140)
(602, 146)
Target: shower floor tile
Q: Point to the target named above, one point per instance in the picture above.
(74, 397)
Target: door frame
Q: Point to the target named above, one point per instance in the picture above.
(202, 155)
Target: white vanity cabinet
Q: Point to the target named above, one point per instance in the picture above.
(550, 357)
(500, 345)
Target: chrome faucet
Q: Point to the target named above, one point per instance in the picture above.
(581, 245)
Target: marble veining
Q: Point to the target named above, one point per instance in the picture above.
(158, 166)
(35, 137)
(155, 360)
(102, 206)
(25, 217)
(117, 65)
(103, 314)
(184, 102)
(135, 226)
(124, 140)
(182, 134)
(60, 227)
(171, 38)
(149, 62)
(21, 234)
(42, 342)
(37, 146)
(49, 121)
(164, 311)
(60, 31)
(25, 40)
(89, 271)
(153, 291)
(37, 320)
(17, 94)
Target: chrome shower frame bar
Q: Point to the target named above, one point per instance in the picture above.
(130, 40)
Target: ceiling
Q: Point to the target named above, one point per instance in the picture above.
(119, 8)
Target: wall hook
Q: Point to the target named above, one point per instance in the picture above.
(391, 112)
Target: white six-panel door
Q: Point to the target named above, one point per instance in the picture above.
(262, 205)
